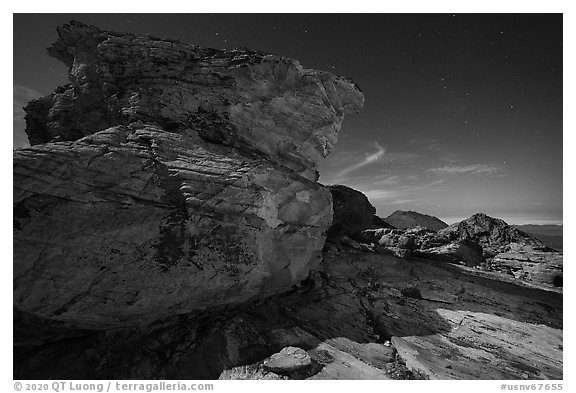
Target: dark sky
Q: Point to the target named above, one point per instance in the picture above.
(463, 112)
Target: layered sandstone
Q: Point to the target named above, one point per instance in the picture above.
(168, 178)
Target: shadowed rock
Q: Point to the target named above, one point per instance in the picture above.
(409, 219)
(352, 212)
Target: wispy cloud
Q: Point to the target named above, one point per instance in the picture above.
(474, 169)
(369, 159)
(434, 147)
(400, 194)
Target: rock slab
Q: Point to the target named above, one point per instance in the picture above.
(289, 359)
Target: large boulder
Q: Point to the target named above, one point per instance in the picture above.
(409, 219)
(353, 212)
(168, 178)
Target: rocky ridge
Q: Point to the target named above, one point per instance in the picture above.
(493, 234)
(482, 242)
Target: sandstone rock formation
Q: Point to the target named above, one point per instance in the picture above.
(408, 219)
(530, 264)
(463, 251)
(362, 316)
(493, 234)
(352, 212)
(507, 250)
(288, 360)
(168, 178)
(480, 241)
(402, 243)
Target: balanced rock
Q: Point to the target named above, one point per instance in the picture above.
(168, 178)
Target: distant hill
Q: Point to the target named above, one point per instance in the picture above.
(489, 232)
(409, 219)
(550, 235)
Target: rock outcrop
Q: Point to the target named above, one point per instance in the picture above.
(493, 234)
(481, 242)
(353, 212)
(168, 178)
(409, 219)
(541, 266)
(462, 251)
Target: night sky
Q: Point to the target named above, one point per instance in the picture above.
(463, 112)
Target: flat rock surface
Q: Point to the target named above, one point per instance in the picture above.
(484, 346)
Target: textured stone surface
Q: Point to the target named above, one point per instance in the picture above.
(467, 350)
(352, 212)
(493, 234)
(287, 360)
(460, 326)
(530, 264)
(460, 251)
(239, 98)
(169, 178)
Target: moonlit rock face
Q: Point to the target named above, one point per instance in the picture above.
(169, 178)
(239, 98)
